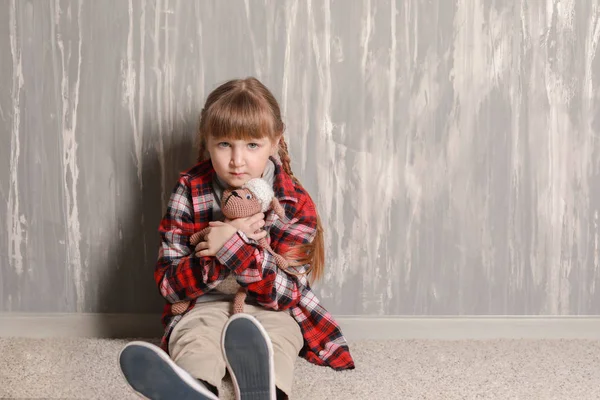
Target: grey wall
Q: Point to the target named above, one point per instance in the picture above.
(452, 147)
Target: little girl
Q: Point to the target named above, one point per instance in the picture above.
(240, 138)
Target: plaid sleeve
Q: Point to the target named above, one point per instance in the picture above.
(179, 273)
(256, 268)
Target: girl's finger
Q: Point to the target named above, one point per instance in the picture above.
(201, 246)
(206, 252)
(257, 225)
(256, 217)
(259, 235)
(215, 223)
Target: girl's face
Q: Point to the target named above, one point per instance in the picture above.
(238, 161)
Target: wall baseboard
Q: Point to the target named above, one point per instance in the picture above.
(73, 325)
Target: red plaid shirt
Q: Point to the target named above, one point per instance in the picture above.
(181, 275)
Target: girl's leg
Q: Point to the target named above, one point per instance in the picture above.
(195, 343)
(287, 340)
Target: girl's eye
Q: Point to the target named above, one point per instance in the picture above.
(248, 196)
(253, 145)
(223, 144)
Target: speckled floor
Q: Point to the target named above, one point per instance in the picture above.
(402, 369)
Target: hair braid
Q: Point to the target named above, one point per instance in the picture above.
(312, 253)
(286, 160)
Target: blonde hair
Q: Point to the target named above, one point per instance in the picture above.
(244, 109)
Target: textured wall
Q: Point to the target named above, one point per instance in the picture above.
(452, 147)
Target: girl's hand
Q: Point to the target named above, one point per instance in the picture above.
(219, 233)
(251, 226)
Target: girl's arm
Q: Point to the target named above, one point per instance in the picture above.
(179, 273)
(257, 270)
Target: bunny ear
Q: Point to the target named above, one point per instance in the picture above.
(276, 206)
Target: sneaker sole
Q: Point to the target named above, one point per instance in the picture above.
(152, 374)
(248, 352)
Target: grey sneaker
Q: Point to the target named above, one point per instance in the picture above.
(248, 353)
(153, 375)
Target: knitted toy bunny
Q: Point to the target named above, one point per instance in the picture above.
(253, 197)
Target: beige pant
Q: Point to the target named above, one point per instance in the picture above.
(195, 342)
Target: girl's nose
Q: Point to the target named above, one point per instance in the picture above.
(237, 158)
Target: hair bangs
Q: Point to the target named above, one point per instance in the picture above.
(239, 117)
